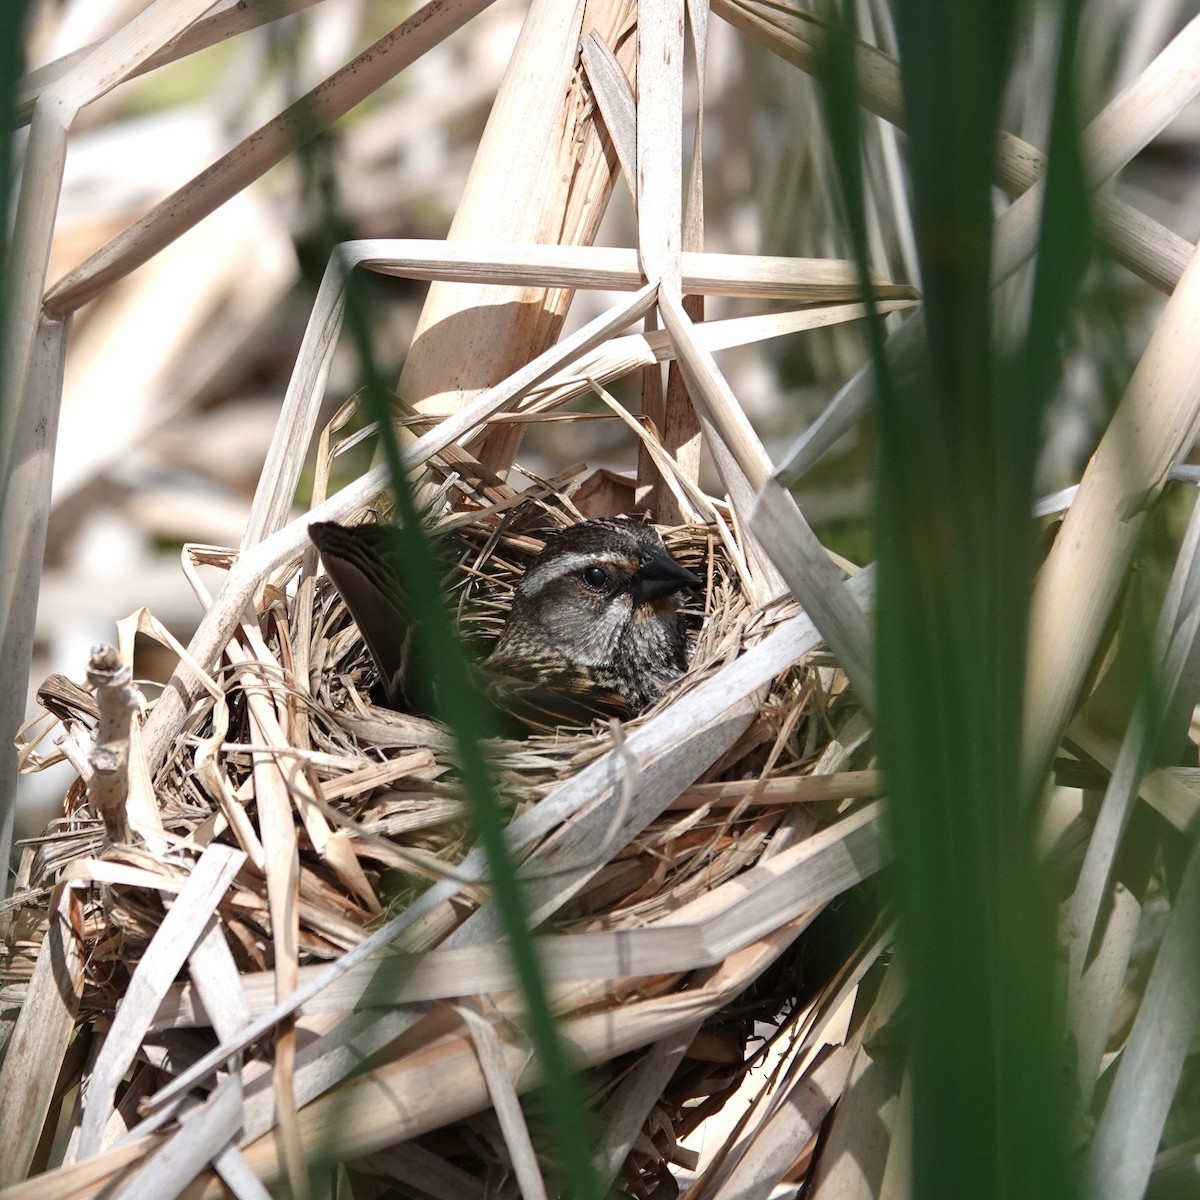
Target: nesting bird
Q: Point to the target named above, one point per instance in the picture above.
(594, 630)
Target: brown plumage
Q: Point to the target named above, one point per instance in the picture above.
(594, 629)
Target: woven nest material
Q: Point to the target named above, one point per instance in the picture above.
(378, 818)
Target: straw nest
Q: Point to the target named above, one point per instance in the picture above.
(379, 822)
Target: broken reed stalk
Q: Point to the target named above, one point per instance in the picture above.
(543, 172)
(120, 704)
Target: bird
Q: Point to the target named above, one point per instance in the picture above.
(594, 630)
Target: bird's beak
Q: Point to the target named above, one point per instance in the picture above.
(660, 575)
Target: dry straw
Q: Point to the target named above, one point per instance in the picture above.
(299, 893)
(306, 838)
(638, 886)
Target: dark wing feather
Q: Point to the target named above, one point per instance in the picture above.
(542, 694)
(362, 562)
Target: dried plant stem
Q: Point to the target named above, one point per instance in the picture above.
(1113, 138)
(1149, 249)
(1155, 423)
(33, 348)
(23, 522)
(266, 147)
(41, 180)
(224, 20)
(543, 172)
(183, 925)
(120, 702)
(659, 193)
(43, 1031)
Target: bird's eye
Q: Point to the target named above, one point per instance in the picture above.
(595, 577)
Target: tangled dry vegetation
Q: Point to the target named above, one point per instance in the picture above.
(224, 923)
(259, 936)
(381, 830)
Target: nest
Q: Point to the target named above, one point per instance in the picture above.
(374, 807)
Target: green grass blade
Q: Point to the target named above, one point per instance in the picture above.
(958, 452)
(440, 654)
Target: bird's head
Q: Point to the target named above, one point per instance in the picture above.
(599, 591)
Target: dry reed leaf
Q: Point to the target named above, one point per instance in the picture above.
(1144, 108)
(1111, 140)
(1152, 251)
(101, 870)
(30, 424)
(542, 172)
(816, 1043)
(717, 924)
(660, 188)
(216, 979)
(204, 1132)
(1154, 425)
(235, 1173)
(789, 1129)
(437, 1083)
(623, 355)
(681, 941)
(614, 268)
(223, 20)
(614, 97)
(897, 1176)
(1095, 992)
(1127, 124)
(691, 502)
(741, 460)
(261, 151)
(815, 788)
(273, 796)
(411, 1163)
(180, 929)
(446, 1077)
(41, 179)
(83, 1179)
(693, 213)
(220, 790)
(39, 1041)
(660, 144)
(505, 1102)
(813, 578)
(1122, 1153)
(273, 497)
(854, 1159)
(624, 1113)
(1093, 902)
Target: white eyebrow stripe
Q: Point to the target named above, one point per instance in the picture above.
(557, 567)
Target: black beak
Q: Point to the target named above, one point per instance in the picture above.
(660, 575)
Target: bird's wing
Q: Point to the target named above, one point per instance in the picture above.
(362, 562)
(542, 696)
